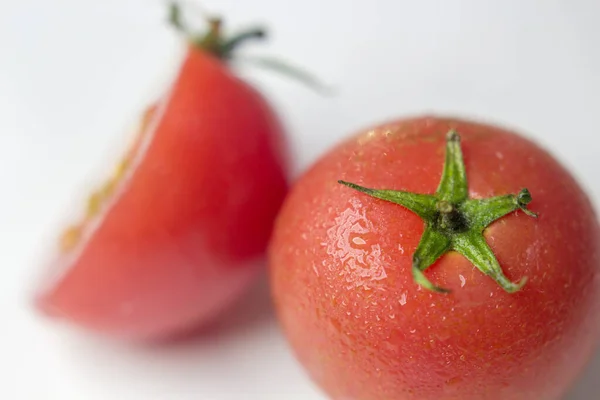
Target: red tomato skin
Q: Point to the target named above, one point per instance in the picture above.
(187, 234)
(340, 266)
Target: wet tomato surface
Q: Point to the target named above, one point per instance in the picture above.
(342, 266)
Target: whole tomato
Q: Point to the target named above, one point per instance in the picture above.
(179, 231)
(438, 258)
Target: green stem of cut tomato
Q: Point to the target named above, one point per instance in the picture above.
(213, 41)
(224, 48)
(453, 221)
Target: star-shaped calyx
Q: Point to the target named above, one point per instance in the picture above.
(453, 221)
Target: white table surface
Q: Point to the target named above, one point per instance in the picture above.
(74, 73)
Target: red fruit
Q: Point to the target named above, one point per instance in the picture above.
(179, 231)
(360, 282)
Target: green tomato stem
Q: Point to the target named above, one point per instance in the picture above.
(214, 42)
(453, 221)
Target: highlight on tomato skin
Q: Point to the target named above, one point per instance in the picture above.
(178, 232)
(369, 213)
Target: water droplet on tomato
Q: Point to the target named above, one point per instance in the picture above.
(402, 299)
(358, 240)
(454, 380)
(357, 260)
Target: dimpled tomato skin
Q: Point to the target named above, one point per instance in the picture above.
(340, 265)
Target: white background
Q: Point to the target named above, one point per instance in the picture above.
(74, 74)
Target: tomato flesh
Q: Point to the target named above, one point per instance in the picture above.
(340, 264)
(186, 230)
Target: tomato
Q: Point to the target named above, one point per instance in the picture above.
(462, 267)
(179, 231)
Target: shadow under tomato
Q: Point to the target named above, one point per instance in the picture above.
(252, 309)
(202, 361)
(588, 385)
